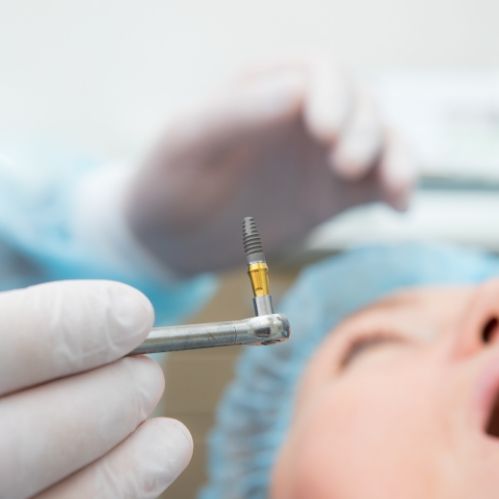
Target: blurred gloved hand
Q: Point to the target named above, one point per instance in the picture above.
(72, 417)
(291, 146)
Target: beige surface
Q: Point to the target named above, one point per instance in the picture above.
(195, 380)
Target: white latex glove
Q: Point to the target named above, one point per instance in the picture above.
(291, 146)
(72, 416)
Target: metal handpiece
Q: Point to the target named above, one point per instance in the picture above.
(261, 330)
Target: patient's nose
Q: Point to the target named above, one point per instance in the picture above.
(479, 324)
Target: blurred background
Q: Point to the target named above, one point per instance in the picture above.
(103, 77)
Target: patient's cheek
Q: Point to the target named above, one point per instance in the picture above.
(313, 462)
(363, 426)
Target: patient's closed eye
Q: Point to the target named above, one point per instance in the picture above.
(363, 344)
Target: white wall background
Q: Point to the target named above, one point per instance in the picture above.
(102, 75)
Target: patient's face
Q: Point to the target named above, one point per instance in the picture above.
(399, 403)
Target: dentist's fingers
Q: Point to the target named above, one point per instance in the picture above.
(56, 329)
(397, 171)
(328, 100)
(141, 467)
(53, 430)
(360, 142)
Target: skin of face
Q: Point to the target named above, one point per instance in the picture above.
(407, 416)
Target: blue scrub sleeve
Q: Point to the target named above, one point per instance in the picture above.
(37, 242)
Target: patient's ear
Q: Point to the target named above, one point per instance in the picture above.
(479, 326)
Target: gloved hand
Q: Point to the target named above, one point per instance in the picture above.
(72, 416)
(291, 146)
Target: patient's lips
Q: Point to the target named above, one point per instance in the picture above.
(488, 398)
(492, 427)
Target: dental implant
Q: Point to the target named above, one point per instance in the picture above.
(258, 270)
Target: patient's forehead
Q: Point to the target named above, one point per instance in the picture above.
(421, 312)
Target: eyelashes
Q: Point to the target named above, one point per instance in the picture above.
(362, 344)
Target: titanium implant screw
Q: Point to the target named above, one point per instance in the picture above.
(252, 241)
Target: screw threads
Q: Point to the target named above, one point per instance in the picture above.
(252, 241)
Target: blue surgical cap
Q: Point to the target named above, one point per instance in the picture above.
(255, 411)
